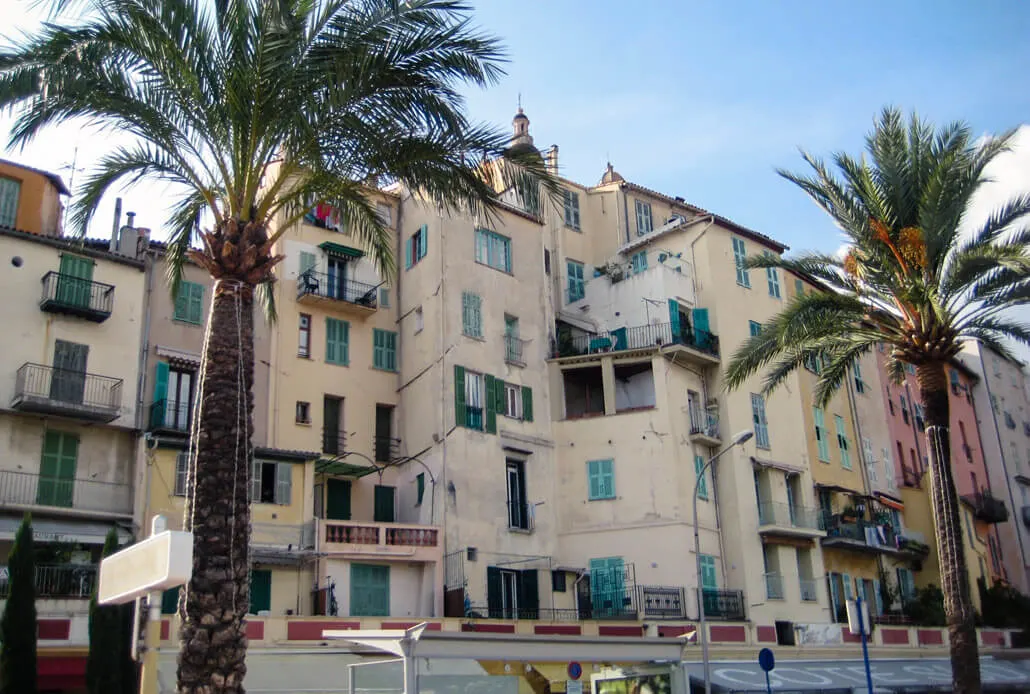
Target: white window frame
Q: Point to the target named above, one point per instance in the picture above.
(512, 401)
(474, 390)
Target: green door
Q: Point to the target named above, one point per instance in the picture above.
(57, 470)
(337, 499)
(384, 504)
(369, 590)
(260, 590)
(68, 382)
(607, 586)
(75, 280)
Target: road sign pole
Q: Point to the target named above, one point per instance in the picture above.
(152, 632)
(865, 647)
(768, 684)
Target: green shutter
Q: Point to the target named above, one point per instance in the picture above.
(158, 408)
(459, 396)
(674, 318)
(56, 486)
(420, 485)
(500, 397)
(260, 590)
(383, 500)
(378, 348)
(491, 403)
(337, 499)
(170, 601)
(189, 303)
(423, 241)
(702, 487)
(74, 278)
(337, 336)
(594, 480)
(529, 594)
(407, 252)
(527, 404)
(197, 304)
(369, 590)
(391, 351)
(10, 189)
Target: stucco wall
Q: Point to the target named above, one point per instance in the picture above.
(39, 204)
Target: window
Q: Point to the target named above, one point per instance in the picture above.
(512, 401)
(904, 408)
(821, 435)
(754, 327)
(384, 297)
(181, 470)
(601, 477)
(702, 487)
(739, 256)
(842, 443)
(956, 384)
(189, 303)
(384, 350)
(173, 398)
(415, 248)
(334, 436)
(709, 577)
(920, 422)
(369, 590)
(303, 412)
(337, 342)
(518, 509)
(909, 369)
(304, 336)
(271, 483)
(638, 262)
(888, 468)
(558, 582)
(811, 362)
(773, 279)
(474, 418)
(10, 190)
(306, 263)
(643, 217)
(572, 210)
(859, 383)
(799, 287)
(576, 285)
(420, 323)
(493, 249)
(871, 466)
(906, 584)
(760, 421)
(512, 342)
(384, 442)
(471, 314)
(420, 488)
(382, 508)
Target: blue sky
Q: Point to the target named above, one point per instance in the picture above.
(705, 99)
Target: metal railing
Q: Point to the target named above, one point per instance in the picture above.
(521, 516)
(334, 442)
(773, 585)
(987, 507)
(785, 514)
(32, 489)
(870, 534)
(311, 283)
(41, 384)
(638, 337)
(543, 614)
(387, 448)
(60, 581)
(170, 415)
(662, 602)
(809, 590)
(513, 349)
(704, 422)
(723, 604)
(75, 295)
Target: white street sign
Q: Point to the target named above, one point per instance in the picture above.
(162, 561)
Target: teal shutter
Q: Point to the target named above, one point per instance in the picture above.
(260, 590)
(74, 278)
(408, 243)
(369, 590)
(391, 351)
(754, 327)
(196, 309)
(820, 435)
(337, 499)
(701, 325)
(709, 576)
(170, 601)
(529, 594)
(379, 348)
(10, 190)
(423, 241)
(702, 487)
(158, 408)
(283, 483)
(337, 336)
(383, 504)
(420, 486)
(848, 588)
(255, 481)
(492, 385)
(459, 396)
(601, 476)
(593, 479)
(527, 404)
(674, 318)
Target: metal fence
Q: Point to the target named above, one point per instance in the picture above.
(311, 283)
(67, 293)
(60, 581)
(724, 604)
(39, 382)
(662, 602)
(638, 337)
(33, 489)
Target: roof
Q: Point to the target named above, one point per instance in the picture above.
(54, 178)
(96, 248)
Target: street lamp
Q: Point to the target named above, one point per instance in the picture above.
(740, 438)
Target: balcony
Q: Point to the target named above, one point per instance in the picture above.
(704, 426)
(334, 442)
(337, 293)
(913, 543)
(698, 346)
(513, 350)
(662, 602)
(61, 581)
(30, 490)
(987, 508)
(723, 604)
(47, 390)
(292, 535)
(777, 518)
(809, 590)
(773, 585)
(169, 416)
(74, 296)
(387, 540)
(859, 535)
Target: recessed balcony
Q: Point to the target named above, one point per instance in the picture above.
(29, 490)
(75, 296)
(785, 519)
(47, 390)
(699, 347)
(337, 293)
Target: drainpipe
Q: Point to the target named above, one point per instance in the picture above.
(443, 373)
(693, 257)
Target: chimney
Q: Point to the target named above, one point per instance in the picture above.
(130, 217)
(142, 241)
(117, 224)
(552, 160)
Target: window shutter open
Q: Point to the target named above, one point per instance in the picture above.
(459, 396)
(423, 241)
(529, 601)
(594, 478)
(182, 302)
(255, 481)
(407, 252)
(307, 262)
(491, 403)
(196, 308)
(674, 318)
(157, 411)
(330, 340)
(283, 483)
(527, 404)
(494, 603)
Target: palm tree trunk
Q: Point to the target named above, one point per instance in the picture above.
(958, 605)
(213, 641)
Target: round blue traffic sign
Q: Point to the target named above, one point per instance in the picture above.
(575, 671)
(766, 660)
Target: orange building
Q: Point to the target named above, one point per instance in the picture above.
(30, 199)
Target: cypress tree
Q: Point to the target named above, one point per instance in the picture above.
(18, 624)
(109, 668)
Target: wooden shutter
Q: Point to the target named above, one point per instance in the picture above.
(369, 590)
(407, 252)
(702, 487)
(529, 594)
(594, 479)
(283, 483)
(383, 499)
(390, 350)
(608, 478)
(338, 494)
(255, 481)
(674, 318)
(197, 303)
(158, 408)
(494, 606)
(491, 403)
(307, 262)
(10, 190)
(701, 324)
(56, 486)
(423, 241)
(527, 404)
(379, 348)
(182, 302)
(459, 396)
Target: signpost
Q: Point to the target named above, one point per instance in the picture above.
(767, 661)
(858, 623)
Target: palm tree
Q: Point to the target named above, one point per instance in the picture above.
(913, 281)
(254, 110)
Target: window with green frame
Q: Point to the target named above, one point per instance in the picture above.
(702, 487)
(576, 283)
(384, 350)
(189, 303)
(821, 434)
(754, 327)
(773, 278)
(471, 314)
(843, 443)
(739, 256)
(601, 478)
(709, 576)
(337, 342)
(638, 262)
(493, 250)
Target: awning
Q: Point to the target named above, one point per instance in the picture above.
(343, 468)
(889, 675)
(340, 250)
(889, 502)
(71, 531)
(178, 356)
(839, 489)
(783, 467)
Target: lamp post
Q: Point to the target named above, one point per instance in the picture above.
(737, 440)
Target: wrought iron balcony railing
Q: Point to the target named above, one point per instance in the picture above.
(774, 585)
(639, 337)
(170, 415)
(334, 442)
(704, 422)
(513, 350)
(76, 296)
(31, 489)
(387, 448)
(60, 581)
(662, 602)
(49, 390)
(325, 286)
(723, 604)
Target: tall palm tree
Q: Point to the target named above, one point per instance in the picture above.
(913, 281)
(255, 110)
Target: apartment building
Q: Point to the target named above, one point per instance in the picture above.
(980, 511)
(31, 199)
(1003, 412)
